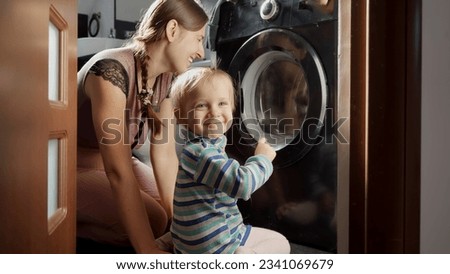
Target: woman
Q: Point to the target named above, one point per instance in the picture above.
(120, 199)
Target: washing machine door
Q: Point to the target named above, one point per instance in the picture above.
(282, 92)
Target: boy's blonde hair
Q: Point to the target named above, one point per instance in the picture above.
(190, 80)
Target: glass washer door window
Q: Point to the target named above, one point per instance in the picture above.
(276, 98)
(283, 92)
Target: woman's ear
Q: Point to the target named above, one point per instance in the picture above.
(172, 30)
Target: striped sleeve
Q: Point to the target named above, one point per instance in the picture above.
(218, 171)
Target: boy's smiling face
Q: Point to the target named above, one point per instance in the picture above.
(209, 109)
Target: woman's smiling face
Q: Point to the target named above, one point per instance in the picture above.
(188, 47)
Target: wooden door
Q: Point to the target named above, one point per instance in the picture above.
(38, 126)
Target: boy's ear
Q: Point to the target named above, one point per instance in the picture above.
(172, 30)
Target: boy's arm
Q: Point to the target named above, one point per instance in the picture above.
(227, 175)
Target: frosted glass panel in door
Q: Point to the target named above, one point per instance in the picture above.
(53, 177)
(53, 62)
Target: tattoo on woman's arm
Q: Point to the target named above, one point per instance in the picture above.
(112, 71)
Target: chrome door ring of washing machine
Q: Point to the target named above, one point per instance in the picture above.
(282, 92)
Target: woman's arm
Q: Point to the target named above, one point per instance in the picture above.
(163, 155)
(108, 104)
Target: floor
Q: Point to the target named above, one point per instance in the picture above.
(301, 249)
(90, 247)
(85, 246)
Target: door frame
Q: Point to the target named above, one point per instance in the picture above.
(385, 117)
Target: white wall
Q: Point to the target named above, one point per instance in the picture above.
(127, 10)
(131, 10)
(435, 171)
(106, 7)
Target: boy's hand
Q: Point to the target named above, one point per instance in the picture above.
(265, 149)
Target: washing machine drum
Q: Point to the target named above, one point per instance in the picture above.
(282, 92)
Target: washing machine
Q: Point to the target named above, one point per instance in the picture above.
(282, 55)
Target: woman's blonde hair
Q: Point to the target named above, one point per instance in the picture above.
(188, 82)
(151, 28)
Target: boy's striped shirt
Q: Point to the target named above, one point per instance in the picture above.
(206, 215)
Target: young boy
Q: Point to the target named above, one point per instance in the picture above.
(206, 216)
